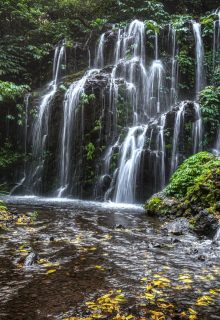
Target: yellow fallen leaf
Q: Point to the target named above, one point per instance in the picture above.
(144, 279)
(204, 301)
(100, 267)
(193, 312)
(51, 271)
(193, 317)
(214, 292)
(150, 296)
(185, 278)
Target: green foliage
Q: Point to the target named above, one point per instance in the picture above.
(193, 186)
(186, 66)
(179, 23)
(11, 92)
(210, 110)
(98, 23)
(154, 204)
(207, 24)
(216, 76)
(114, 162)
(3, 207)
(189, 173)
(86, 98)
(98, 125)
(152, 26)
(7, 156)
(142, 9)
(90, 149)
(124, 110)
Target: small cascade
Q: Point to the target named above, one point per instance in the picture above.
(200, 58)
(161, 151)
(197, 130)
(156, 99)
(216, 38)
(174, 67)
(108, 156)
(41, 124)
(71, 102)
(179, 119)
(217, 235)
(179, 124)
(99, 61)
(130, 164)
(25, 134)
(216, 149)
(155, 88)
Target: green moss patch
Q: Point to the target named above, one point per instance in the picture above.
(195, 186)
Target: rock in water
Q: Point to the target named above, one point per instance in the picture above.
(178, 227)
(205, 224)
(31, 259)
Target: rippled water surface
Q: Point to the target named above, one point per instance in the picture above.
(86, 249)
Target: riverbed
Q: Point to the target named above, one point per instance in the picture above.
(86, 250)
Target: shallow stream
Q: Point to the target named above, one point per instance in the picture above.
(86, 249)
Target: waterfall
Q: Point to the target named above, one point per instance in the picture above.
(136, 90)
(25, 134)
(217, 235)
(129, 165)
(71, 102)
(174, 67)
(155, 88)
(216, 38)
(99, 62)
(41, 123)
(199, 49)
(216, 149)
(197, 133)
(197, 130)
(161, 151)
(176, 135)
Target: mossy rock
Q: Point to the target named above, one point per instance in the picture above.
(161, 205)
(194, 187)
(192, 173)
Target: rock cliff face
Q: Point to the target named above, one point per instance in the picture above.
(118, 131)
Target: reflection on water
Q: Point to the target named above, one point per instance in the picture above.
(87, 248)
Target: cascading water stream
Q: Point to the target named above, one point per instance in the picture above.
(216, 54)
(24, 175)
(41, 124)
(162, 151)
(129, 165)
(199, 48)
(134, 89)
(99, 61)
(133, 70)
(216, 39)
(216, 149)
(197, 130)
(174, 67)
(155, 87)
(71, 102)
(177, 127)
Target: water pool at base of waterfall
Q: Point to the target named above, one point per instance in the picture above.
(87, 249)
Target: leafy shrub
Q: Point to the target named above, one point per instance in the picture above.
(188, 174)
(11, 92)
(210, 110)
(90, 149)
(7, 156)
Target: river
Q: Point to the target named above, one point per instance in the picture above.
(86, 249)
